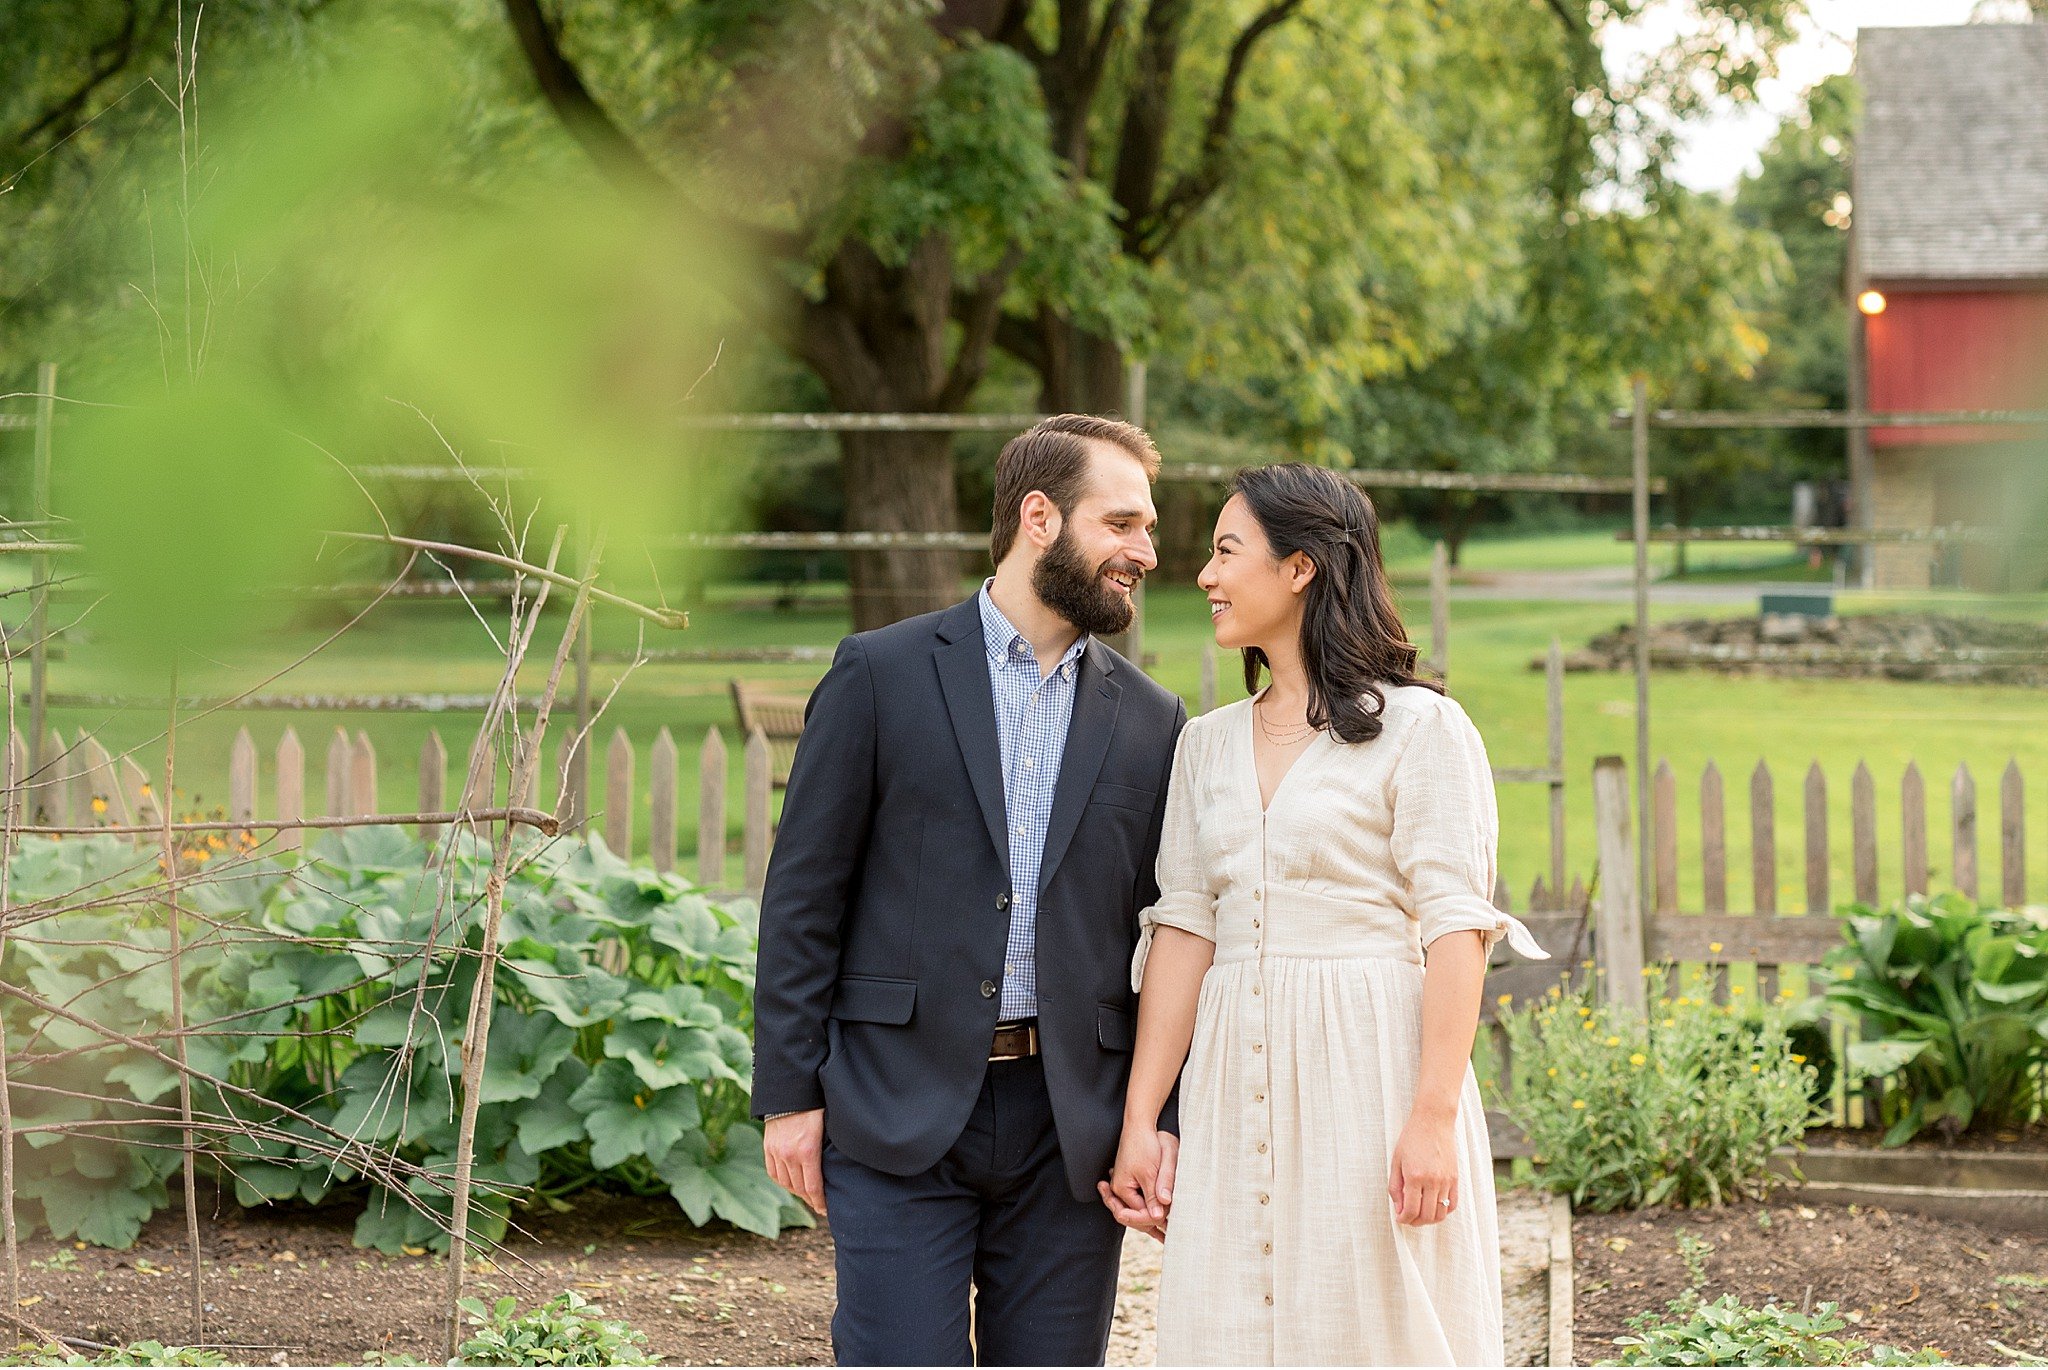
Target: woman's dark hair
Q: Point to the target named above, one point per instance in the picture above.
(1352, 641)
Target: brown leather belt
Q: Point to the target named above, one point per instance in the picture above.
(1014, 1041)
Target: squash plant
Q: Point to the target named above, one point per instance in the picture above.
(332, 1002)
(1954, 1003)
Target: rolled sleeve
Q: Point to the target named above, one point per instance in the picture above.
(1446, 833)
(1185, 899)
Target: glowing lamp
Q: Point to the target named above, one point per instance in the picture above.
(1871, 302)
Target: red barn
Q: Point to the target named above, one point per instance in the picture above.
(1950, 228)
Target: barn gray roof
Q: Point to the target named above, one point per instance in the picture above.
(1952, 162)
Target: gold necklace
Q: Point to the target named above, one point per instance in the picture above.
(1285, 736)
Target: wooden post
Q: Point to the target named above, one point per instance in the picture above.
(758, 814)
(1913, 821)
(1639, 506)
(711, 766)
(1963, 809)
(1553, 698)
(433, 781)
(242, 777)
(17, 787)
(1618, 929)
(1664, 828)
(1863, 833)
(2012, 835)
(1440, 610)
(618, 794)
(362, 776)
(291, 789)
(339, 752)
(661, 802)
(39, 572)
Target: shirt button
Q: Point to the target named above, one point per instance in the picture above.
(988, 989)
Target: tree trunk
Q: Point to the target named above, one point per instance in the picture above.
(1083, 372)
(899, 483)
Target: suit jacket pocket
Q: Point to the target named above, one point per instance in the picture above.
(1112, 1028)
(870, 999)
(1124, 797)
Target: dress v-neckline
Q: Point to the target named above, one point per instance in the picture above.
(1251, 744)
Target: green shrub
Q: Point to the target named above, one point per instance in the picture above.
(620, 1055)
(566, 1330)
(135, 1353)
(1954, 1003)
(1681, 1107)
(1729, 1332)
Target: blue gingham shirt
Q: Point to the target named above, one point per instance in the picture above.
(1032, 714)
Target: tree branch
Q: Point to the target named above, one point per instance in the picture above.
(1565, 16)
(1193, 189)
(108, 60)
(586, 120)
(978, 321)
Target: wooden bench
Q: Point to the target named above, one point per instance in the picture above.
(779, 716)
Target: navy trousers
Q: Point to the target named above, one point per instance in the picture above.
(995, 1214)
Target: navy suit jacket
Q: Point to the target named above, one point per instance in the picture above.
(886, 912)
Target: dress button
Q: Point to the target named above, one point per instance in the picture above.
(1265, 1198)
(1258, 895)
(1269, 1300)
(1258, 1046)
(1262, 1148)
(1258, 1098)
(988, 989)
(1266, 1248)
(1255, 922)
(1255, 991)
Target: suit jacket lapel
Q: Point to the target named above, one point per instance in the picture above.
(1097, 697)
(970, 700)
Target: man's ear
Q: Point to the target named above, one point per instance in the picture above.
(1038, 520)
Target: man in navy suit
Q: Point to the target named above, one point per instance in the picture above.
(943, 1014)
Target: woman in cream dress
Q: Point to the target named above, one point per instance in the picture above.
(1316, 960)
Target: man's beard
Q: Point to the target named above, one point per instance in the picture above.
(1069, 587)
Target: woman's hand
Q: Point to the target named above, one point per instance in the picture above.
(1139, 1190)
(1424, 1175)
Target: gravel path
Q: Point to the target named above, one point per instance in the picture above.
(1525, 1286)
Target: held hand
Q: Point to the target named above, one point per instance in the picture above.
(1423, 1183)
(1133, 1193)
(793, 1146)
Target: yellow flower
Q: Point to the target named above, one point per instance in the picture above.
(1614, 1041)
(99, 804)
(1669, 1022)
(1714, 947)
(1556, 993)
(1734, 990)
(1683, 1001)
(1797, 1059)
(1505, 1000)
(1578, 1103)
(1638, 1059)
(1756, 1070)
(1552, 1072)
(1585, 1012)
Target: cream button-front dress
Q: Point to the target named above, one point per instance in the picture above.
(1282, 1247)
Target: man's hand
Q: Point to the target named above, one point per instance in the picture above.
(793, 1145)
(1140, 1192)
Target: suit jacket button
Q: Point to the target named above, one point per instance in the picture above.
(988, 989)
(1003, 901)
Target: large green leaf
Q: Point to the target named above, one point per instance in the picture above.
(574, 991)
(1885, 1057)
(625, 1118)
(734, 1186)
(549, 1119)
(663, 1055)
(525, 1049)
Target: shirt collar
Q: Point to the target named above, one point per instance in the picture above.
(1004, 643)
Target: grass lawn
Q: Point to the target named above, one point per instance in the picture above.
(424, 647)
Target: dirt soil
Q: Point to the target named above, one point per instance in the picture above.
(289, 1287)
(1901, 1279)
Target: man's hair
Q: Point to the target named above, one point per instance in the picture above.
(1052, 458)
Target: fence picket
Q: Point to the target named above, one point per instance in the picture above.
(2012, 835)
(1763, 841)
(1664, 824)
(339, 753)
(242, 777)
(711, 764)
(756, 812)
(618, 794)
(1553, 696)
(1713, 841)
(1913, 835)
(291, 788)
(1863, 832)
(362, 776)
(53, 792)
(1963, 811)
(96, 783)
(661, 802)
(1817, 893)
(433, 781)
